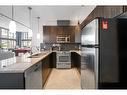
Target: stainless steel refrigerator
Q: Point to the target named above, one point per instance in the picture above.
(99, 61)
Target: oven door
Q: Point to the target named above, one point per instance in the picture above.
(63, 58)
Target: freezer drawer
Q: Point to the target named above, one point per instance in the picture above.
(89, 68)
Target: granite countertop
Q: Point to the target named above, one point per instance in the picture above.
(21, 63)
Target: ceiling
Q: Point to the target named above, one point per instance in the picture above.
(53, 13)
(48, 14)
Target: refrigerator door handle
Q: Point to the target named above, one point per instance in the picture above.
(96, 63)
(96, 46)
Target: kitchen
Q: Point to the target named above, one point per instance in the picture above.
(49, 50)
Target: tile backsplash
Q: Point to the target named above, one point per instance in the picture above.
(63, 46)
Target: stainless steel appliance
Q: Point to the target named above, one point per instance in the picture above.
(63, 39)
(99, 61)
(63, 59)
(33, 77)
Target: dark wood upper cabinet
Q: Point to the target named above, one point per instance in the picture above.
(112, 11)
(104, 11)
(50, 33)
(99, 11)
(125, 8)
(70, 31)
(46, 34)
(59, 30)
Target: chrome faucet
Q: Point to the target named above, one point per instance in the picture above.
(34, 49)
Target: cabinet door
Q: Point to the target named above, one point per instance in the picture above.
(72, 60)
(45, 69)
(52, 34)
(49, 33)
(117, 10)
(69, 31)
(76, 60)
(100, 11)
(54, 60)
(59, 30)
(33, 77)
(46, 33)
(72, 29)
(66, 30)
(125, 8)
(48, 65)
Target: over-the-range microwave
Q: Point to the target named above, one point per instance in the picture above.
(63, 39)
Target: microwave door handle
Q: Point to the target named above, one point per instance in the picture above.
(66, 39)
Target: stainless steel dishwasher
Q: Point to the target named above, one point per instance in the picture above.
(33, 77)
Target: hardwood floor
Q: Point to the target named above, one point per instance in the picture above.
(63, 79)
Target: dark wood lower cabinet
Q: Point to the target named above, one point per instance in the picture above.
(46, 68)
(53, 59)
(73, 59)
(76, 61)
(47, 64)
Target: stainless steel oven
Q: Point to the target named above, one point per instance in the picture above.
(63, 59)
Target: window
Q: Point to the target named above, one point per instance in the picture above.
(26, 42)
(4, 44)
(11, 44)
(7, 39)
(11, 35)
(4, 33)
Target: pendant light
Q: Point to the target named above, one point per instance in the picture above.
(12, 24)
(30, 33)
(78, 26)
(38, 34)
